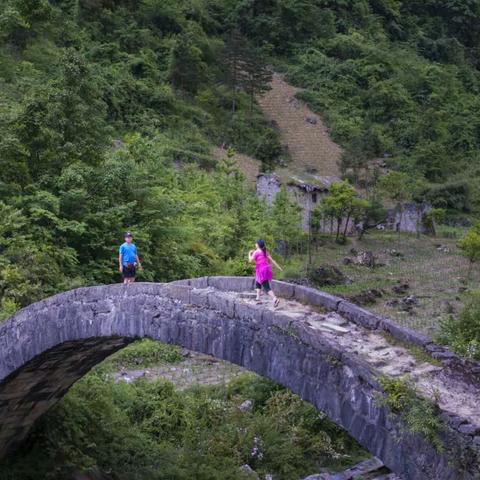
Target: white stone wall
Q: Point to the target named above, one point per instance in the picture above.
(410, 220)
(308, 197)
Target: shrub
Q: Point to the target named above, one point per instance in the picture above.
(463, 334)
(470, 245)
(418, 414)
(451, 195)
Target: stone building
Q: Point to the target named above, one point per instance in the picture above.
(309, 194)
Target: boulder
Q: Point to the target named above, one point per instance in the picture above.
(366, 259)
(410, 300)
(246, 406)
(401, 289)
(367, 297)
(248, 472)
(328, 275)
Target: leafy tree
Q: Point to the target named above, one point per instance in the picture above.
(342, 204)
(268, 150)
(235, 56)
(433, 218)
(187, 69)
(285, 220)
(470, 245)
(463, 333)
(257, 76)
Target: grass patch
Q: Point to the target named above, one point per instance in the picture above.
(432, 267)
(145, 353)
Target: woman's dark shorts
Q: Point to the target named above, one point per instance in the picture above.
(265, 285)
(128, 271)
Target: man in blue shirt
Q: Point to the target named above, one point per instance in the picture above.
(128, 259)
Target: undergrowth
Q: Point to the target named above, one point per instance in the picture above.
(418, 414)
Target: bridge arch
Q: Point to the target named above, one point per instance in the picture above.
(49, 345)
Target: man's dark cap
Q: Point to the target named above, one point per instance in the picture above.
(127, 234)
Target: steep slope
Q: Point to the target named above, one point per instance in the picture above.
(311, 149)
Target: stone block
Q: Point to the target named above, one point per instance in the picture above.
(222, 303)
(199, 297)
(181, 282)
(177, 291)
(247, 311)
(200, 282)
(283, 289)
(358, 315)
(469, 429)
(404, 334)
(231, 284)
(315, 297)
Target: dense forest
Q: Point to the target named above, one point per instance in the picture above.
(110, 110)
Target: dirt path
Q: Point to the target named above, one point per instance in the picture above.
(311, 149)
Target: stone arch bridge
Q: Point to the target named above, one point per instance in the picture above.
(323, 348)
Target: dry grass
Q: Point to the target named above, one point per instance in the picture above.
(310, 146)
(436, 277)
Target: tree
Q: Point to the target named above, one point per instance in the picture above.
(341, 205)
(432, 218)
(268, 150)
(246, 68)
(397, 187)
(257, 76)
(187, 68)
(470, 245)
(235, 56)
(285, 220)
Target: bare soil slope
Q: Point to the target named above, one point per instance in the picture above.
(309, 144)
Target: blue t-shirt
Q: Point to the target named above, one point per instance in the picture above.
(128, 252)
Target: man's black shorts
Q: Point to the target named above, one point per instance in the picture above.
(128, 271)
(265, 285)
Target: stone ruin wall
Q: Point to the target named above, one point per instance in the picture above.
(269, 185)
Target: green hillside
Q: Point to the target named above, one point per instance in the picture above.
(114, 115)
(394, 79)
(110, 111)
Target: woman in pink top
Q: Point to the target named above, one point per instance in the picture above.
(263, 270)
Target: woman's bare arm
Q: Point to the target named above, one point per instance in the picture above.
(250, 255)
(275, 263)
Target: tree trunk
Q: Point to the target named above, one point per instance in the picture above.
(346, 227)
(339, 224)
